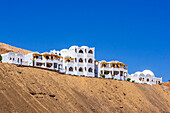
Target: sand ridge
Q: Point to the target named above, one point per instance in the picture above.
(26, 89)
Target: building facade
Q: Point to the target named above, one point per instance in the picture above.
(80, 61)
(147, 76)
(112, 69)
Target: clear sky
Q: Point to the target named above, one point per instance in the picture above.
(136, 32)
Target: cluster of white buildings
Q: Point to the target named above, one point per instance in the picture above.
(80, 61)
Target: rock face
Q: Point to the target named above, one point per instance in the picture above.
(5, 48)
(27, 90)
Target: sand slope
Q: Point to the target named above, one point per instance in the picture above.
(5, 48)
(26, 89)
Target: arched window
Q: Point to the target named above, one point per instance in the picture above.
(81, 60)
(70, 69)
(85, 68)
(65, 67)
(85, 59)
(80, 51)
(90, 61)
(75, 68)
(90, 70)
(147, 79)
(75, 59)
(90, 51)
(140, 79)
(13, 59)
(18, 59)
(47, 57)
(80, 69)
(10, 58)
(76, 50)
(21, 60)
(85, 51)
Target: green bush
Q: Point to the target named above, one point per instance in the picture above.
(102, 75)
(0, 58)
(133, 81)
(128, 79)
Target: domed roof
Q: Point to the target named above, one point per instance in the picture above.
(84, 47)
(138, 73)
(72, 47)
(145, 72)
(63, 50)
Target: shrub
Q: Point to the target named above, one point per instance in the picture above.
(102, 75)
(133, 81)
(128, 79)
(115, 79)
(0, 58)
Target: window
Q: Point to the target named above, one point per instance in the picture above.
(121, 73)
(75, 59)
(85, 59)
(47, 57)
(21, 60)
(10, 58)
(90, 70)
(147, 79)
(140, 79)
(95, 71)
(90, 61)
(90, 51)
(81, 60)
(85, 51)
(59, 54)
(65, 67)
(75, 68)
(80, 69)
(81, 51)
(13, 59)
(76, 50)
(70, 69)
(85, 68)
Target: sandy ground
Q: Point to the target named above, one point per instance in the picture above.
(5, 48)
(29, 90)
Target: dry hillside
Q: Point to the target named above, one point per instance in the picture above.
(5, 48)
(29, 90)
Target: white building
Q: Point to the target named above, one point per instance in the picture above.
(77, 60)
(80, 61)
(14, 58)
(44, 60)
(146, 76)
(112, 69)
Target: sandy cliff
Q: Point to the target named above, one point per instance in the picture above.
(5, 48)
(26, 89)
(30, 90)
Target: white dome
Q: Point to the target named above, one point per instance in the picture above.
(145, 72)
(138, 73)
(84, 47)
(73, 47)
(63, 50)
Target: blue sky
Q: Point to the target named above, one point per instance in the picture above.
(136, 32)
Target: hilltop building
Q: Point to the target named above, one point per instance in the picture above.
(79, 61)
(146, 76)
